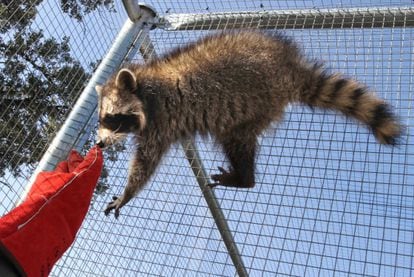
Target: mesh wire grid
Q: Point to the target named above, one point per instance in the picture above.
(328, 201)
(204, 6)
(86, 48)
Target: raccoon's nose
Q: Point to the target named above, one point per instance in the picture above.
(100, 144)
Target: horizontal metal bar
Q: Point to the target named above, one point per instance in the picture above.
(292, 19)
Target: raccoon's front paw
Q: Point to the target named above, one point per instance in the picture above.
(115, 204)
(226, 178)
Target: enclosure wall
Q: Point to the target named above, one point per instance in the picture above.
(328, 201)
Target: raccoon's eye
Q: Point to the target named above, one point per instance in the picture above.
(120, 123)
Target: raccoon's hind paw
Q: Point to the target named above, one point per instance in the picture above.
(226, 178)
(115, 204)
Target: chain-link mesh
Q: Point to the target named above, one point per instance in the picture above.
(329, 200)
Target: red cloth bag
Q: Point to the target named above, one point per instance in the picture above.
(35, 234)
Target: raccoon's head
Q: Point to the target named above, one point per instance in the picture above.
(120, 109)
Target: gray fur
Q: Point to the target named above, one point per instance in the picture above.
(230, 85)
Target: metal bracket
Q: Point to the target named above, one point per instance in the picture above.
(136, 10)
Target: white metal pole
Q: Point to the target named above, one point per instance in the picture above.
(372, 17)
(76, 129)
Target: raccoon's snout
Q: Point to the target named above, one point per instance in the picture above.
(108, 137)
(104, 137)
(100, 144)
(106, 142)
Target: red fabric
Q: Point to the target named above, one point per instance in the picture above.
(39, 231)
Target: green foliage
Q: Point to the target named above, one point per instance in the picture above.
(17, 14)
(78, 8)
(40, 80)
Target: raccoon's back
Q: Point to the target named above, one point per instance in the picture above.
(232, 78)
(230, 47)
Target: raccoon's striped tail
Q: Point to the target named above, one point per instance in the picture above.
(354, 100)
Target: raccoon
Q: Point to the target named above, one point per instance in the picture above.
(230, 85)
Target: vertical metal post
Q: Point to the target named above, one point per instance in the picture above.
(77, 127)
(148, 52)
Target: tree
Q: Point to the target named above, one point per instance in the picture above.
(17, 14)
(39, 81)
(20, 13)
(39, 78)
(78, 8)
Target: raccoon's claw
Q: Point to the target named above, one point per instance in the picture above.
(213, 185)
(115, 204)
(217, 177)
(222, 170)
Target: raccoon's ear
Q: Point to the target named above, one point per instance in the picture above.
(99, 89)
(125, 79)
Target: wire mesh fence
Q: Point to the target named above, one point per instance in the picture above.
(328, 200)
